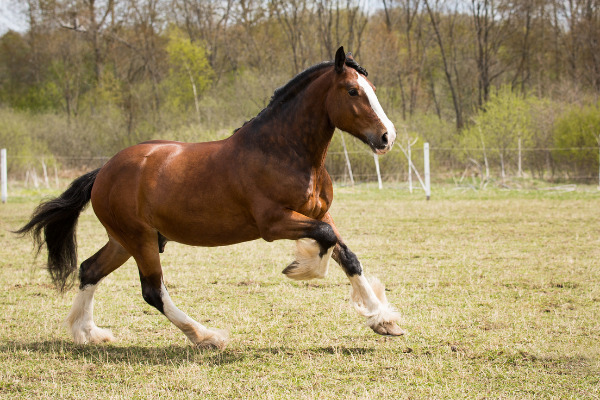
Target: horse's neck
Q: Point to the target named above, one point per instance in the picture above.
(304, 127)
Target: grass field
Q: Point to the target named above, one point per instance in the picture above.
(499, 291)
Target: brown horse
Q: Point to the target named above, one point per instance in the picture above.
(267, 180)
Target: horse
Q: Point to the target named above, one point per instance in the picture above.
(267, 180)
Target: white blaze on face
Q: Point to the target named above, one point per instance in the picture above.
(374, 101)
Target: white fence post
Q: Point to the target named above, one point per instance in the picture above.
(598, 160)
(347, 159)
(378, 171)
(426, 165)
(409, 167)
(3, 176)
(520, 159)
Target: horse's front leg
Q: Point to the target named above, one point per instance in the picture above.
(367, 295)
(317, 241)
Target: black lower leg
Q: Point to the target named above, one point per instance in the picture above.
(151, 291)
(347, 260)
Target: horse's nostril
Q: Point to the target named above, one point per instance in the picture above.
(384, 139)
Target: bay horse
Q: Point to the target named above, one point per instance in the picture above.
(267, 180)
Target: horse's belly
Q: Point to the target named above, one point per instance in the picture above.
(210, 229)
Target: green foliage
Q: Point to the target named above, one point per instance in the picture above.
(578, 127)
(24, 149)
(92, 95)
(189, 71)
(506, 119)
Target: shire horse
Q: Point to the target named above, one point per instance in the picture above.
(267, 180)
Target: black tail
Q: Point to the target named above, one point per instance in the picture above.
(58, 219)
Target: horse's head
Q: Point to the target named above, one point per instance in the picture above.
(353, 106)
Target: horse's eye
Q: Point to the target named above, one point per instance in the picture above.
(353, 92)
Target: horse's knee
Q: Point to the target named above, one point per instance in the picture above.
(151, 293)
(324, 234)
(347, 260)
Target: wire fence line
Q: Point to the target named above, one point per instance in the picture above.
(474, 149)
(448, 164)
(451, 164)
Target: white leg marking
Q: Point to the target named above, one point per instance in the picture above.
(308, 264)
(198, 334)
(374, 101)
(81, 319)
(369, 300)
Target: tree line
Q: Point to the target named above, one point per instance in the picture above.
(89, 77)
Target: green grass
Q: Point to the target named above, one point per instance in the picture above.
(499, 292)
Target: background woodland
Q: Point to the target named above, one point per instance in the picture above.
(481, 81)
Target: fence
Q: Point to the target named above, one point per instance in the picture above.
(355, 163)
(459, 165)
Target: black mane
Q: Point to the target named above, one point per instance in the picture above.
(295, 85)
(298, 83)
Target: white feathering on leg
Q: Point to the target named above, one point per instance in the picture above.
(308, 264)
(375, 314)
(81, 319)
(198, 334)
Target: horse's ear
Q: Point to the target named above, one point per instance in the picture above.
(340, 60)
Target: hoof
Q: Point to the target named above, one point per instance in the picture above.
(210, 345)
(218, 340)
(91, 335)
(388, 329)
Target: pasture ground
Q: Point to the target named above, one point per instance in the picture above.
(499, 291)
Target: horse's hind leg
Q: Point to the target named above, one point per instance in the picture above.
(81, 319)
(155, 293)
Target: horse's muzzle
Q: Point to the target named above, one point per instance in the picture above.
(381, 144)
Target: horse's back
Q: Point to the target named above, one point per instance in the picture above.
(185, 191)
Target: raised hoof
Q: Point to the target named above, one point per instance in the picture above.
(388, 329)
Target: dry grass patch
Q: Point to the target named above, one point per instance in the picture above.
(499, 291)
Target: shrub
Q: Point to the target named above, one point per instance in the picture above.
(577, 133)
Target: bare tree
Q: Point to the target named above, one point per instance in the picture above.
(416, 42)
(524, 19)
(292, 16)
(206, 21)
(340, 24)
(491, 23)
(90, 19)
(448, 54)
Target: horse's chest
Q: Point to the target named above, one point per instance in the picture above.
(316, 202)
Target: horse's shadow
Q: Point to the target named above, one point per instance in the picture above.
(161, 355)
